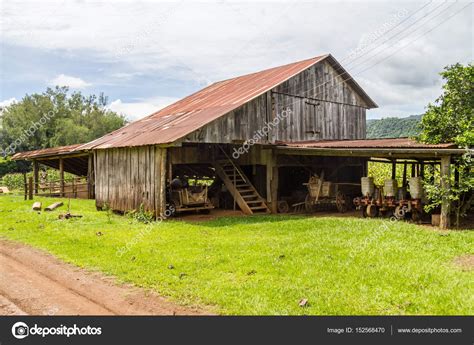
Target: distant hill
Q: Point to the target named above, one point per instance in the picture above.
(393, 127)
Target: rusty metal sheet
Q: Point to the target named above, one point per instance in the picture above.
(368, 143)
(189, 114)
(53, 151)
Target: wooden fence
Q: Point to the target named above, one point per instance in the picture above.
(77, 188)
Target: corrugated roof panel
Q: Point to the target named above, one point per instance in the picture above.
(185, 116)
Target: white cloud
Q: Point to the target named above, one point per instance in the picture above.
(8, 102)
(67, 80)
(137, 110)
(210, 41)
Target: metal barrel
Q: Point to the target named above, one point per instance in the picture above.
(416, 187)
(367, 186)
(390, 187)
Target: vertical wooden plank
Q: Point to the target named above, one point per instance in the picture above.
(35, 175)
(30, 188)
(61, 176)
(445, 173)
(274, 189)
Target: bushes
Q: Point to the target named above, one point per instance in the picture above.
(8, 166)
(13, 181)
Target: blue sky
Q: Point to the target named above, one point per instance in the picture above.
(144, 55)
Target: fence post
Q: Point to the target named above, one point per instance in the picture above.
(36, 175)
(30, 188)
(26, 186)
(61, 176)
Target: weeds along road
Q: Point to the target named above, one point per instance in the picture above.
(35, 283)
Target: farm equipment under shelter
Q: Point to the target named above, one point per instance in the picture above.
(324, 194)
(184, 198)
(390, 201)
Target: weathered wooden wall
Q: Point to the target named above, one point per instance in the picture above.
(323, 107)
(125, 178)
(328, 107)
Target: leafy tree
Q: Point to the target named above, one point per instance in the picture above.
(394, 127)
(55, 118)
(451, 119)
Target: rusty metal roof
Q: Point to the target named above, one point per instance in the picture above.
(389, 143)
(53, 151)
(192, 112)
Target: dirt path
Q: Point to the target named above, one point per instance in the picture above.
(34, 282)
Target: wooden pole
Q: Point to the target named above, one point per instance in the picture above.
(413, 170)
(90, 176)
(35, 176)
(404, 183)
(422, 169)
(61, 176)
(30, 188)
(274, 190)
(26, 186)
(445, 187)
(394, 170)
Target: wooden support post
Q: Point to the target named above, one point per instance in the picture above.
(422, 169)
(272, 181)
(445, 187)
(413, 171)
(25, 184)
(394, 170)
(61, 176)
(30, 188)
(274, 190)
(35, 176)
(404, 183)
(90, 176)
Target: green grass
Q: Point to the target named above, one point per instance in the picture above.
(263, 265)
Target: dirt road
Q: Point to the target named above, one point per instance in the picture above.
(35, 283)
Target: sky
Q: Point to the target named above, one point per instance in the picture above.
(145, 55)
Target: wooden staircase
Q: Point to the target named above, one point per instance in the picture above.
(240, 188)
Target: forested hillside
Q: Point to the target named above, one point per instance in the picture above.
(393, 127)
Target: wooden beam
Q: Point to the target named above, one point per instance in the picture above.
(61, 175)
(30, 188)
(404, 183)
(394, 170)
(35, 175)
(53, 206)
(90, 176)
(25, 185)
(370, 152)
(445, 173)
(274, 190)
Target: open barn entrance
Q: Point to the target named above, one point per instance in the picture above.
(299, 176)
(221, 185)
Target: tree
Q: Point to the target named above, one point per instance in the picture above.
(451, 119)
(55, 118)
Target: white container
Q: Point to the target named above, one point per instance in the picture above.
(367, 186)
(416, 187)
(390, 188)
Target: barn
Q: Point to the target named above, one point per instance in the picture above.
(255, 139)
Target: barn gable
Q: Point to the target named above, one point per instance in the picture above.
(233, 98)
(325, 103)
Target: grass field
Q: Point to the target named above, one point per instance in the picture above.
(262, 265)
